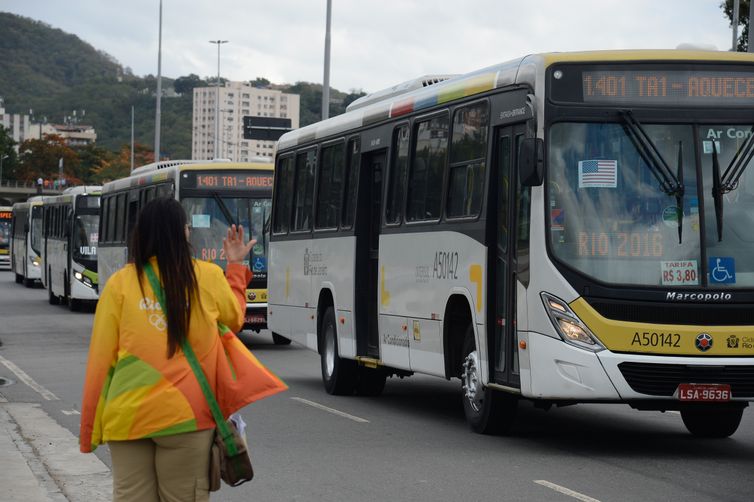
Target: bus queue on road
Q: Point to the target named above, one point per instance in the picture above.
(562, 228)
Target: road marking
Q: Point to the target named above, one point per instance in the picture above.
(331, 410)
(71, 412)
(565, 491)
(21, 374)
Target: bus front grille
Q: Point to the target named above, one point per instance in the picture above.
(664, 313)
(663, 379)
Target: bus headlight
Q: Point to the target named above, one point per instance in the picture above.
(568, 325)
(36, 261)
(84, 279)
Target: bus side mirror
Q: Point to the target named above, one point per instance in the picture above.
(531, 162)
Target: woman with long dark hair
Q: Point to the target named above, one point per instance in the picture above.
(140, 394)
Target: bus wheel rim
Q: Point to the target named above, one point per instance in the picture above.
(329, 351)
(472, 388)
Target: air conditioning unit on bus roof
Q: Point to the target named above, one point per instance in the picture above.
(398, 89)
(155, 166)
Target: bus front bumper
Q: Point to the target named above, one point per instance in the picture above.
(256, 316)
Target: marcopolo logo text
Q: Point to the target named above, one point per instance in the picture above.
(698, 297)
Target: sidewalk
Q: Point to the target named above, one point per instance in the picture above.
(40, 461)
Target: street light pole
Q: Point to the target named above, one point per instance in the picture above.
(217, 98)
(158, 117)
(326, 79)
(735, 25)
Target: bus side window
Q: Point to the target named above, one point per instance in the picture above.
(283, 194)
(303, 191)
(397, 178)
(133, 213)
(428, 169)
(165, 190)
(120, 221)
(467, 161)
(330, 186)
(351, 184)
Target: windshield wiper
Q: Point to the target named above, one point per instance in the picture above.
(738, 164)
(669, 183)
(717, 191)
(679, 194)
(224, 209)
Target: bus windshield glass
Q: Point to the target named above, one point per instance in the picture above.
(85, 238)
(5, 232)
(611, 219)
(208, 218)
(36, 229)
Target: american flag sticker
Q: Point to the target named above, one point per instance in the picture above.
(598, 173)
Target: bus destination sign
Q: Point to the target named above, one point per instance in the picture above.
(675, 88)
(228, 180)
(5, 215)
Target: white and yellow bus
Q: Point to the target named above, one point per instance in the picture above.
(6, 216)
(69, 248)
(561, 228)
(26, 241)
(215, 195)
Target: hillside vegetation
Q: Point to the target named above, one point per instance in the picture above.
(53, 73)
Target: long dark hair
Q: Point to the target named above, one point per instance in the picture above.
(160, 232)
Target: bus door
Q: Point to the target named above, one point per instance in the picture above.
(366, 278)
(507, 194)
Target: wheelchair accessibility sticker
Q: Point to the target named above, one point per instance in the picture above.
(722, 270)
(259, 264)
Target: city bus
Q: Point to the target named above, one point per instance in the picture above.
(6, 216)
(215, 194)
(26, 241)
(562, 228)
(69, 248)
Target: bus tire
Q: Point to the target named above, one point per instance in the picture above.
(487, 411)
(19, 278)
(280, 339)
(29, 283)
(338, 375)
(52, 297)
(711, 422)
(371, 381)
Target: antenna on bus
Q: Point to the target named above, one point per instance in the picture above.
(402, 88)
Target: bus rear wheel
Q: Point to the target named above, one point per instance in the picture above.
(487, 411)
(712, 422)
(338, 375)
(280, 339)
(52, 297)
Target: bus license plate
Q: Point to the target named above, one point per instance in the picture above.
(704, 392)
(255, 319)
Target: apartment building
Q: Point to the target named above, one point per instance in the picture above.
(237, 99)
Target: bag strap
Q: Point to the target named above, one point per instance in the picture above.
(222, 426)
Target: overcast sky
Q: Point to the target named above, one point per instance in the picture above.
(375, 43)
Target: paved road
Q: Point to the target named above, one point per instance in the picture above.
(410, 444)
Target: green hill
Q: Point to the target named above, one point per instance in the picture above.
(53, 73)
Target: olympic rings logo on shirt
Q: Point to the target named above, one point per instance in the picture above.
(158, 321)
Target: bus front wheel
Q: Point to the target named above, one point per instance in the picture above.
(52, 297)
(487, 411)
(19, 278)
(711, 422)
(338, 375)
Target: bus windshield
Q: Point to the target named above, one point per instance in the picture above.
(36, 229)
(85, 238)
(4, 233)
(610, 218)
(209, 225)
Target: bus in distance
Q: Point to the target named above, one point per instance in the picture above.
(26, 241)
(215, 194)
(69, 248)
(6, 217)
(560, 228)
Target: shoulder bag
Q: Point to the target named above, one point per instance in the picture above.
(229, 456)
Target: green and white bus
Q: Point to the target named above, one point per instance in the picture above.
(69, 248)
(215, 195)
(26, 241)
(6, 216)
(560, 228)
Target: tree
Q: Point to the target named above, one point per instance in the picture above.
(260, 82)
(91, 159)
(186, 84)
(39, 158)
(8, 154)
(119, 166)
(743, 21)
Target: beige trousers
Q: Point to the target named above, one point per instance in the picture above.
(164, 469)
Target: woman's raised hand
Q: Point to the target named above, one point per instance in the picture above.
(235, 249)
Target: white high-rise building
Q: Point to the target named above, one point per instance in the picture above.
(237, 100)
